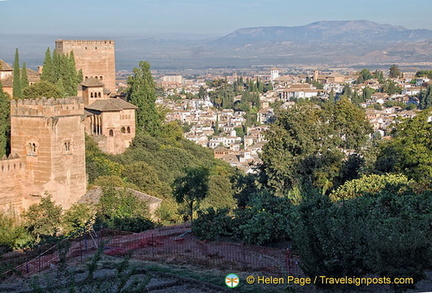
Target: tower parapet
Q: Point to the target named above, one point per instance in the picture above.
(47, 107)
(11, 164)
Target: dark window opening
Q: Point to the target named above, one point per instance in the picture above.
(67, 146)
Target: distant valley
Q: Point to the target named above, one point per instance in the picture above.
(320, 43)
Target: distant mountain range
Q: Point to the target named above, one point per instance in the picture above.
(325, 32)
(333, 42)
(323, 42)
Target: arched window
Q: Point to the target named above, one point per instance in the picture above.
(111, 132)
(128, 129)
(67, 146)
(96, 77)
(91, 95)
(100, 77)
(99, 94)
(123, 130)
(31, 149)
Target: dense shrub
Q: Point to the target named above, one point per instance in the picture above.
(212, 224)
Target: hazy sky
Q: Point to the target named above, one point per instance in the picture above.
(201, 17)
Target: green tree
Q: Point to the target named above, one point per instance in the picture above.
(367, 94)
(12, 233)
(43, 219)
(364, 75)
(378, 74)
(4, 122)
(24, 78)
(425, 98)
(202, 93)
(410, 150)
(371, 234)
(142, 93)
(332, 95)
(394, 71)
(60, 69)
(78, 219)
(390, 87)
(371, 184)
(192, 188)
(47, 71)
(305, 145)
(42, 89)
(17, 90)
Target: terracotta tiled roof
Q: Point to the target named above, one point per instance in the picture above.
(4, 66)
(110, 105)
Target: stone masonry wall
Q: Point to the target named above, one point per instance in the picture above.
(48, 136)
(95, 58)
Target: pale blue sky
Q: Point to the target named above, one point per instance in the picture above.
(201, 17)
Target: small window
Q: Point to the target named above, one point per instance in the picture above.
(67, 146)
(100, 77)
(99, 94)
(91, 95)
(128, 129)
(31, 149)
(96, 77)
(123, 130)
(111, 132)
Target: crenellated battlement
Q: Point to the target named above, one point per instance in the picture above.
(47, 107)
(11, 164)
(85, 42)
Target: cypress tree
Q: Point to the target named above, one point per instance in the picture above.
(24, 78)
(80, 76)
(60, 86)
(142, 93)
(73, 75)
(17, 91)
(47, 70)
(4, 122)
(56, 68)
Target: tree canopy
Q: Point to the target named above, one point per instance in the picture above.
(192, 188)
(42, 89)
(306, 144)
(4, 122)
(410, 150)
(142, 93)
(60, 70)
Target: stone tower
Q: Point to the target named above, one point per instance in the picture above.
(95, 58)
(48, 137)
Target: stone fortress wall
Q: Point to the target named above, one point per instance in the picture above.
(48, 145)
(11, 172)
